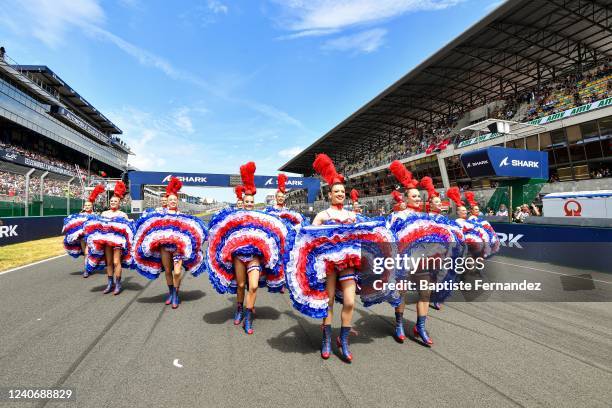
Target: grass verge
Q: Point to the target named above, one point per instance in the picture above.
(14, 255)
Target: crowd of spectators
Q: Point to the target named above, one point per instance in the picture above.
(574, 90)
(13, 186)
(30, 153)
(413, 142)
(571, 91)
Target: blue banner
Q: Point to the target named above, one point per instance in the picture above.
(506, 162)
(138, 179)
(577, 247)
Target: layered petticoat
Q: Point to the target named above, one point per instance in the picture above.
(434, 243)
(181, 234)
(293, 217)
(493, 242)
(320, 250)
(246, 234)
(481, 239)
(114, 232)
(429, 235)
(74, 233)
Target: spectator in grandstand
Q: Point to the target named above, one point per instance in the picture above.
(502, 211)
(522, 213)
(2, 53)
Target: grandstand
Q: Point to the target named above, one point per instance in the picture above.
(536, 61)
(54, 144)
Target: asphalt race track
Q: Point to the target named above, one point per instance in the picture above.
(59, 330)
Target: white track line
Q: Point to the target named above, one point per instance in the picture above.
(544, 270)
(33, 263)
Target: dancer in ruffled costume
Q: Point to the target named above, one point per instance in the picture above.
(357, 207)
(280, 208)
(481, 241)
(397, 223)
(246, 245)
(109, 241)
(483, 226)
(74, 235)
(169, 240)
(419, 235)
(324, 260)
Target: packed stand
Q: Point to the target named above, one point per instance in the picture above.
(12, 186)
(37, 156)
(417, 141)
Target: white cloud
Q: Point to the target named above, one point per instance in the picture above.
(309, 33)
(290, 152)
(308, 15)
(155, 141)
(217, 7)
(365, 41)
(182, 119)
(48, 21)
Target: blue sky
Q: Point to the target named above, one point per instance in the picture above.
(204, 86)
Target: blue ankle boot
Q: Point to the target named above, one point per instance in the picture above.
(238, 314)
(118, 287)
(399, 336)
(419, 331)
(248, 321)
(109, 286)
(326, 342)
(170, 294)
(175, 298)
(343, 343)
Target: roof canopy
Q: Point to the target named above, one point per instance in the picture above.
(69, 95)
(519, 45)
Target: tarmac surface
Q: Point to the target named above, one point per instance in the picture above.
(58, 330)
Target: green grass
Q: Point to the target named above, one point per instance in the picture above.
(14, 255)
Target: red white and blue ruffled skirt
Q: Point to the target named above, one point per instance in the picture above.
(73, 233)
(320, 250)
(293, 217)
(245, 235)
(428, 237)
(181, 234)
(101, 232)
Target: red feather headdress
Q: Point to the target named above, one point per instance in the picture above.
(120, 189)
(324, 166)
(247, 173)
(469, 196)
(239, 189)
(403, 175)
(454, 194)
(173, 186)
(99, 189)
(282, 181)
(427, 184)
(354, 195)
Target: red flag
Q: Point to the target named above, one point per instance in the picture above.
(443, 144)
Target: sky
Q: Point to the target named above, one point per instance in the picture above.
(205, 86)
